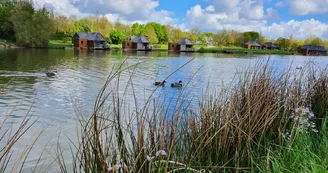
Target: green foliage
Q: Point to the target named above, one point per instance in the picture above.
(176, 35)
(6, 26)
(150, 34)
(116, 37)
(221, 37)
(82, 26)
(251, 36)
(283, 43)
(160, 32)
(137, 29)
(32, 28)
(313, 40)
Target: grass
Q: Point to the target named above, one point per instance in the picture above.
(60, 43)
(243, 128)
(241, 50)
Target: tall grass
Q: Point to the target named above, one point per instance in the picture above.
(242, 128)
(14, 154)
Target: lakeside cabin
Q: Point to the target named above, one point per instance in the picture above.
(93, 41)
(252, 45)
(136, 43)
(184, 45)
(312, 50)
(270, 46)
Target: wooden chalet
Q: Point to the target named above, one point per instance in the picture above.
(270, 46)
(184, 45)
(94, 40)
(312, 50)
(136, 43)
(252, 45)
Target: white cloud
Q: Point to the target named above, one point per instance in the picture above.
(63, 7)
(248, 9)
(280, 4)
(213, 21)
(299, 29)
(127, 11)
(303, 7)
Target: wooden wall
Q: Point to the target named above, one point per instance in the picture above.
(128, 45)
(173, 47)
(80, 43)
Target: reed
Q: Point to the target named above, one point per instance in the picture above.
(246, 127)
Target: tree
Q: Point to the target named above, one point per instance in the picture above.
(175, 35)
(194, 34)
(64, 27)
(283, 43)
(150, 33)
(221, 38)
(313, 40)
(233, 37)
(137, 29)
(32, 28)
(82, 25)
(251, 36)
(41, 28)
(125, 29)
(116, 36)
(160, 31)
(6, 26)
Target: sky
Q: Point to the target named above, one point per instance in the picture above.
(272, 18)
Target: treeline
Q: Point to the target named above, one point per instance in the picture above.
(20, 22)
(30, 27)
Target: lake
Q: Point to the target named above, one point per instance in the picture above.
(57, 101)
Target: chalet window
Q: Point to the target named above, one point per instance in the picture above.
(172, 45)
(128, 44)
(81, 42)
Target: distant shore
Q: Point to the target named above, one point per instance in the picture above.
(54, 44)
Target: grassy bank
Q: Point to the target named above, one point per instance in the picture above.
(59, 44)
(240, 50)
(267, 121)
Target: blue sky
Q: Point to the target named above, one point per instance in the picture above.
(273, 18)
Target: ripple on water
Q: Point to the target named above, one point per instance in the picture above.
(80, 77)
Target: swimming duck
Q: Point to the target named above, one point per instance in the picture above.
(177, 84)
(160, 83)
(50, 74)
(299, 68)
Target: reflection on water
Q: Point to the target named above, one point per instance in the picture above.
(81, 74)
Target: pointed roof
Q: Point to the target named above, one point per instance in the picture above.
(316, 48)
(139, 39)
(95, 36)
(81, 35)
(185, 41)
(253, 43)
(270, 44)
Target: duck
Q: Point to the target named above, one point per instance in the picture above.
(160, 83)
(299, 68)
(50, 74)
(177, 84)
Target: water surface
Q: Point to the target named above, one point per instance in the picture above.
(56, 102)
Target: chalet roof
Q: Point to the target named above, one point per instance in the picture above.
(81, 34)
(253, 43)
(185, 41)
(315, 48)
(93, 36)
(270, 44)
(139, 39)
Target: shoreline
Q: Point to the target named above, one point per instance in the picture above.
(231, 51)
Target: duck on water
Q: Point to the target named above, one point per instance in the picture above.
(50, 74)
(160, 83)
(177, 85)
